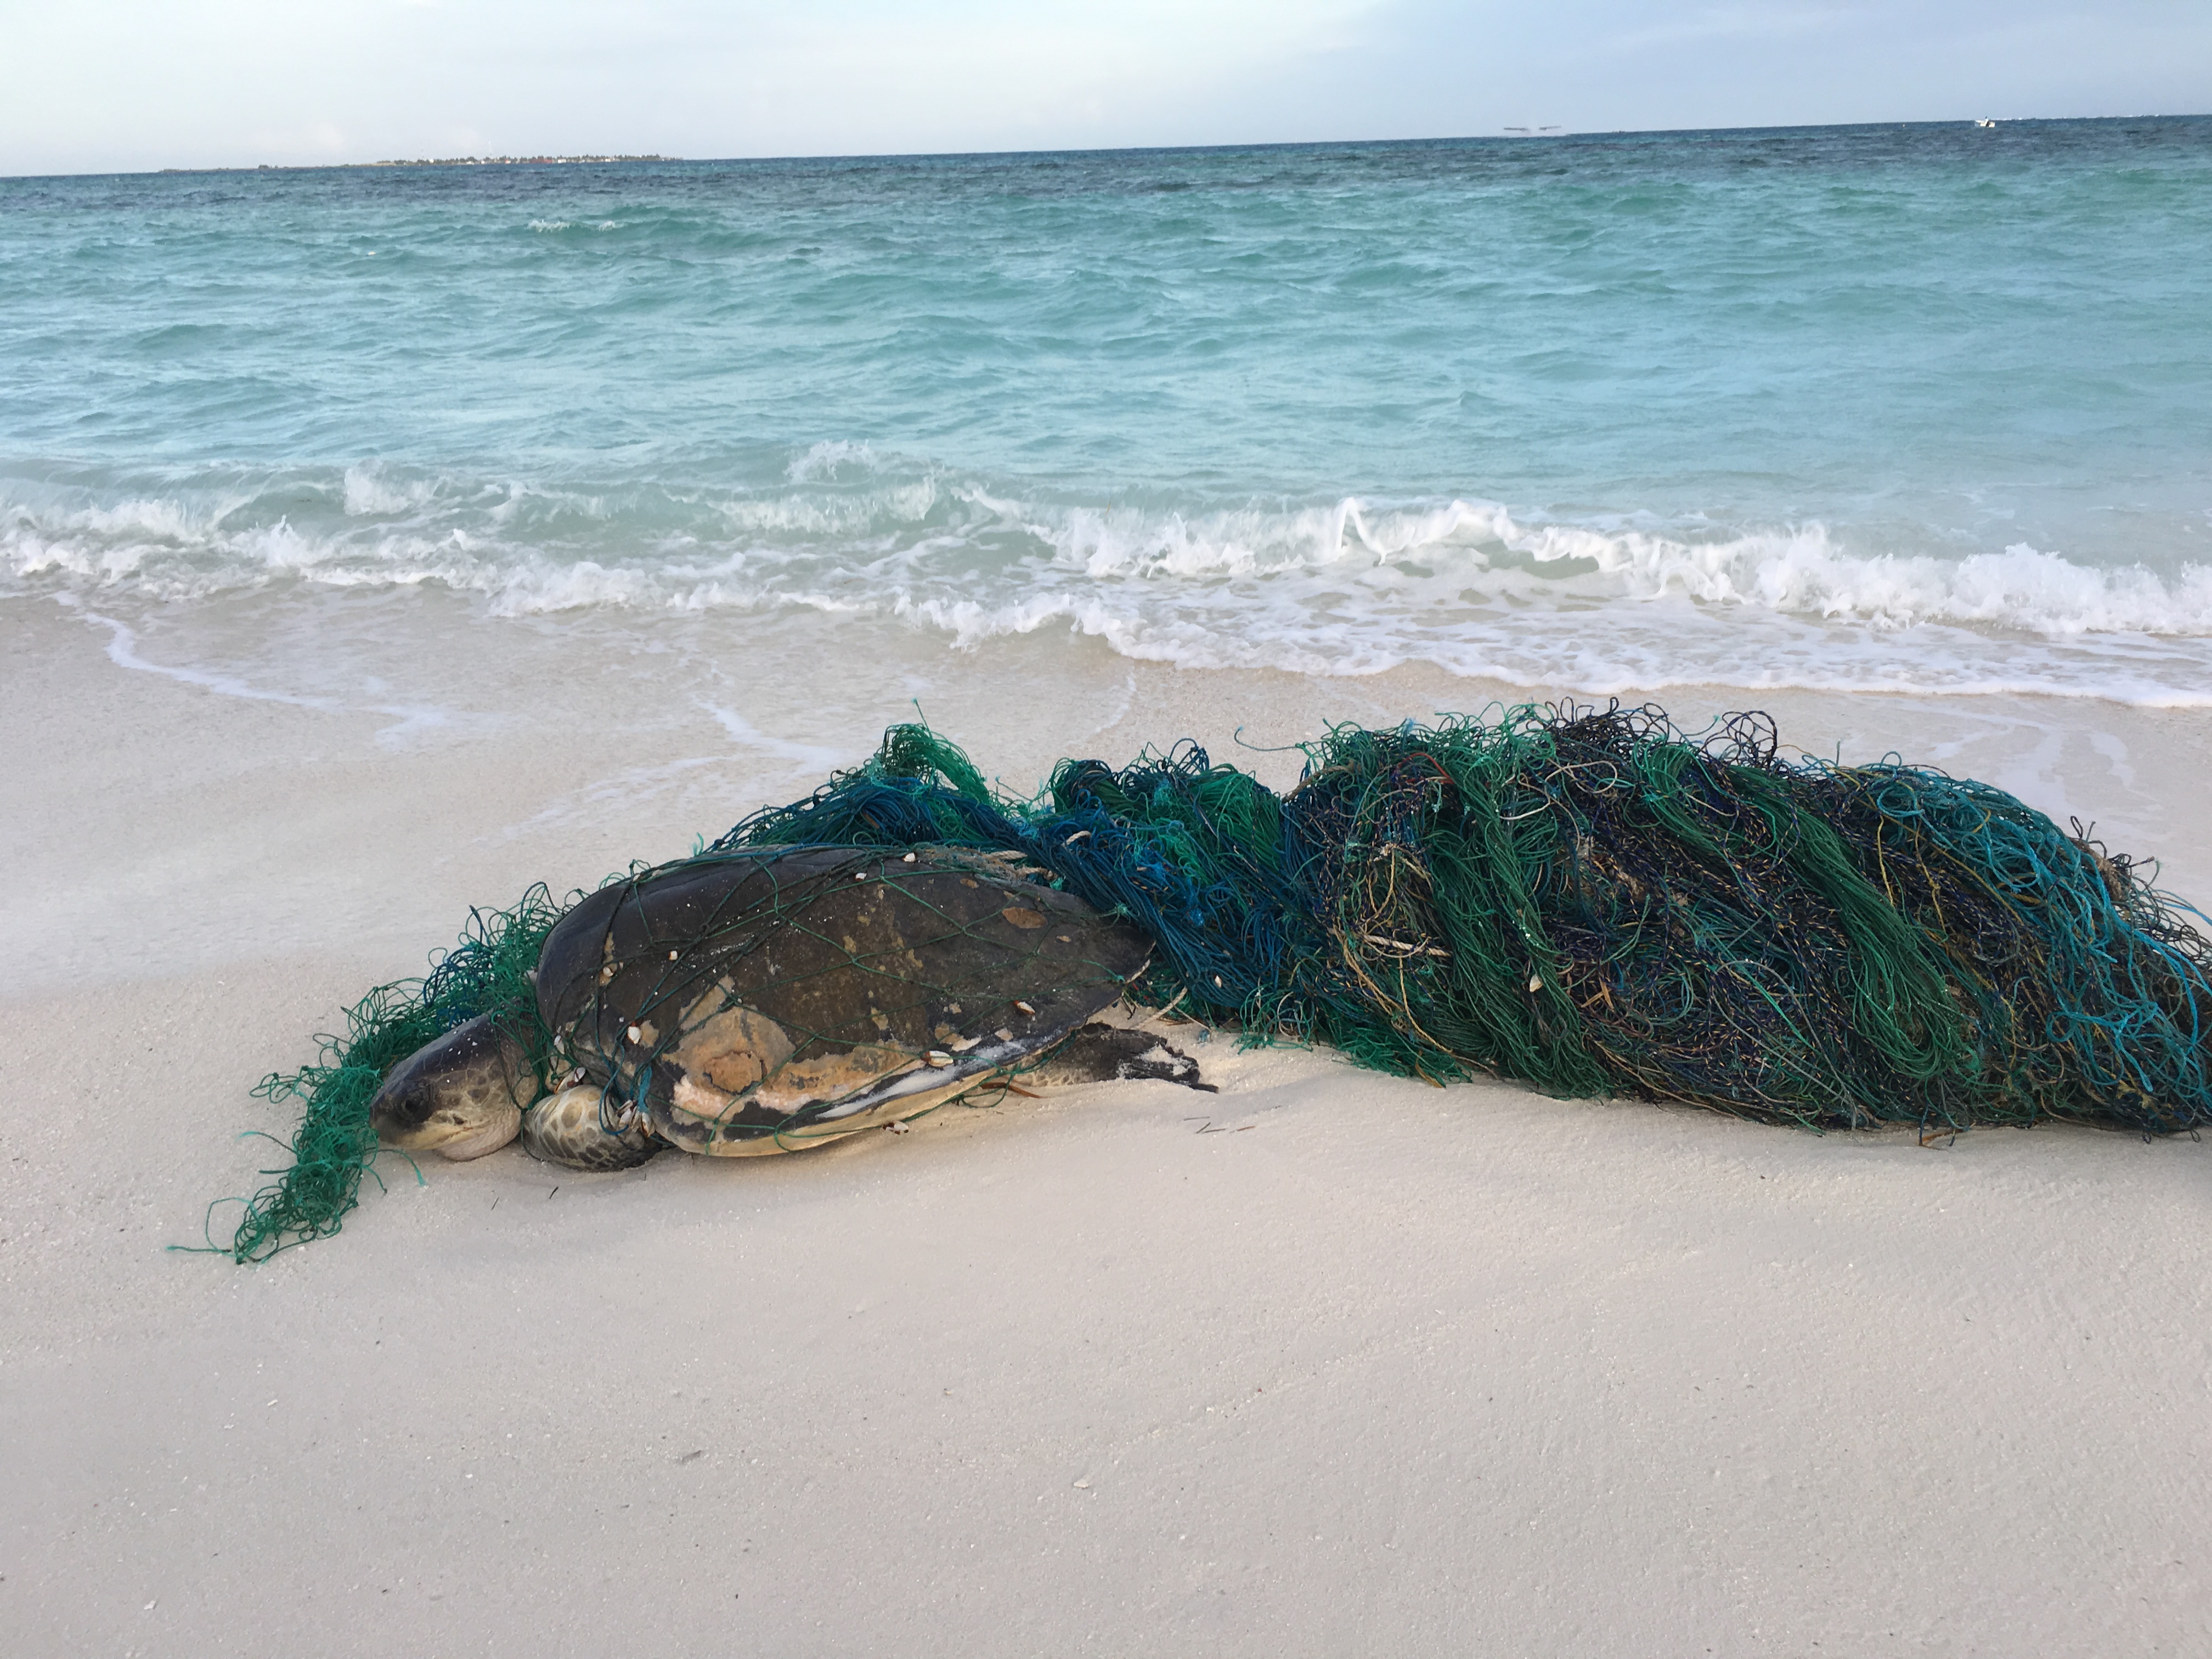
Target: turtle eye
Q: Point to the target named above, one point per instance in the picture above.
(401, 1108)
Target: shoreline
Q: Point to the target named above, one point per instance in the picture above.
(480, 757)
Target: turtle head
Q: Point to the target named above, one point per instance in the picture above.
(460, 1097)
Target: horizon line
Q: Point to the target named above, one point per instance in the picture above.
(1513, 135)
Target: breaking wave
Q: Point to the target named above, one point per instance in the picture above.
(1592, 602)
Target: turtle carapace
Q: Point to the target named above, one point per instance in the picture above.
(767, 1000)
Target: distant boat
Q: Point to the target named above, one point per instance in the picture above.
(1530, 131)
(1985, 120)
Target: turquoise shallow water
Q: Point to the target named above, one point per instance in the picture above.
(1926, 406)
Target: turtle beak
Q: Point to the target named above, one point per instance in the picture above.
(487, 1133)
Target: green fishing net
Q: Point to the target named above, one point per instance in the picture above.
(1590, 900)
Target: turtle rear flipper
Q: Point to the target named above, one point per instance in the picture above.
(1107, 1054)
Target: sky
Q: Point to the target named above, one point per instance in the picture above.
(130, 85)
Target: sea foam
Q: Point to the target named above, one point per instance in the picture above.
(1352, 586)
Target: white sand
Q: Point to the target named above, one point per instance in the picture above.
(1330, 1364)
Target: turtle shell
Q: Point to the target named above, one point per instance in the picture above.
(765, 1000)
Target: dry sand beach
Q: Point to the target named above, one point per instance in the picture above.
(1329, 1363)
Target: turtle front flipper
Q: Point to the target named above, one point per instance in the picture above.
(572, 1128)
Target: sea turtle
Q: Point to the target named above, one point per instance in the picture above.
(767, 1001)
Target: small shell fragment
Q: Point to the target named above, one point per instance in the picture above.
(636, 1035)
(1025, 1007)
(1004, 1034)
(963, 1045)
(938, 1057)
(908, 858)
(672, 956)
(1535, 983)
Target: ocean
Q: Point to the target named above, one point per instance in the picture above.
(1919, 407)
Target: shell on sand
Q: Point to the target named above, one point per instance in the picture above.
(769, 999)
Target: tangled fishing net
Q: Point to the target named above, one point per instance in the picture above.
(1592, 901)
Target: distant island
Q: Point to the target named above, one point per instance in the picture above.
(463, 162)
(430, 161)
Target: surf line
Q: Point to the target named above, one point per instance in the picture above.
(123, 651)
